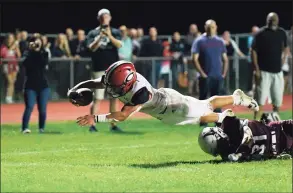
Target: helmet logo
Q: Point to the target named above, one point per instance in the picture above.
(129, 77)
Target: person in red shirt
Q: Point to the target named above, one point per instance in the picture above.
(9, 50)
(165, 66)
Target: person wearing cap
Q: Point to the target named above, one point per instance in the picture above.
(103, 42)
(268, 45)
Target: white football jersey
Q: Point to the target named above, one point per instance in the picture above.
(167, 104)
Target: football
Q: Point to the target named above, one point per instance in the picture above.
(82, 97)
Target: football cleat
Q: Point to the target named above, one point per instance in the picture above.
(245, 100)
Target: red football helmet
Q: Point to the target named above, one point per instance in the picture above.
(119, 78)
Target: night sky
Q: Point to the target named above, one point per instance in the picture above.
(166, 16)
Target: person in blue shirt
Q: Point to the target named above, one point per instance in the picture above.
(210, 58)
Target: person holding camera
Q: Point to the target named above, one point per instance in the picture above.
(36, 85)
(103, 42)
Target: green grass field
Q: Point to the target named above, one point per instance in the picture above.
(148, 157)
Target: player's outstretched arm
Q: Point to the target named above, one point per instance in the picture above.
(122, 115)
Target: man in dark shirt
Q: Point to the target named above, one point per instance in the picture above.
(177, 49)
(152, 47)
(267, 48)
(80, 50)
(103, 43)
(208, 51)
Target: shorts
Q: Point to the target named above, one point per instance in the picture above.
(193, 74)
(271, 84)
(99, 93)
(196, 109)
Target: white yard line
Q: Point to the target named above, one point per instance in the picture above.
(97, 148)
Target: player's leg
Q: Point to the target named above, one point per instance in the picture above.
(29, 101)
(277, 90)
(216, 117)
(113, 108)
(263, 85)
(237, 98)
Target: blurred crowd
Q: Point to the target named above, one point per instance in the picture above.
(136, 44)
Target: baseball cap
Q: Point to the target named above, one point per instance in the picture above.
(102, 12)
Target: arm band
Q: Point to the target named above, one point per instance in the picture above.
(103, 118)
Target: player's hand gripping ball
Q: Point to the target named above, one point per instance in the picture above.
(81, 97)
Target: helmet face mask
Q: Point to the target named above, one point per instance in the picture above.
(212, 140)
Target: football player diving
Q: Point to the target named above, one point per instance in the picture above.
(123, 82)
(244, 140)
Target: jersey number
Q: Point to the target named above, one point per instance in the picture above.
(256, 149)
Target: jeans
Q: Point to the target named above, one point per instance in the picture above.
(210, 86)
(30, 98)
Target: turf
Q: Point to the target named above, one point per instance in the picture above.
(148, 157)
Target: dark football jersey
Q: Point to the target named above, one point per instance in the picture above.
(266, 139)
(285, 136)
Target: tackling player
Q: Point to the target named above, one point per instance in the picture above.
(242, 139)
(123, 82)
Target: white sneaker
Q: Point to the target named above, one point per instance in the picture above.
(26, 131)
(245, 100)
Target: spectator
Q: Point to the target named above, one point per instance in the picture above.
(23, 44)
(36, 86)
(152, 47)
(286, 70)
(231, 46)
(251, 79)
(10, 51)
(69, 34)
(232, 52)
(125, 52)
(267, 48)
(177, 49)
(79, 48)
(46, 45)
(165, 66)
(61, 48)
(59, 70)
(290, 59)
(140, 34)
(192, 72)
(208, 52)
(104, 42)
(191, 36)
(17, 36)
(135, 43)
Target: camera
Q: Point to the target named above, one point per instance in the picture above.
(34, 43)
